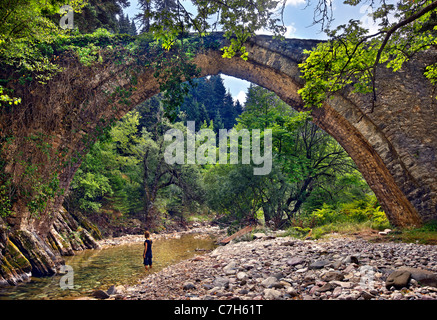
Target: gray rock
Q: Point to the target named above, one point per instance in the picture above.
(337, 291)
(100, 294)
(326, 287)
(319, 264)
(351, 259)
(398, 279)
(295, 261)
(278, 275)
(207, 286)
(221, 282)
(292, 292)
(189, 286)
(333, 276)
(270, 282)
(259, 235)
(272, 294)
(231, 268)
(111, 290)
(367, 295)
(424, 277)
(242, 276)
(336, 264)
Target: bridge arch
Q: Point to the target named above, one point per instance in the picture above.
(394, 147)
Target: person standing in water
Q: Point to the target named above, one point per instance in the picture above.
(147, 254)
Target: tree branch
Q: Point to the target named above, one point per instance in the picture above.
(402, 23)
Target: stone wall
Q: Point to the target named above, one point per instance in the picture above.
(25, 253)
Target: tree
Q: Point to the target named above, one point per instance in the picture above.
(156, 12)
(108, 173)
(228, 111)
(143, 17)
(207, 99)
(100, 14)
(238, 108)
(133, 28)
(159, 175)
(306, 160)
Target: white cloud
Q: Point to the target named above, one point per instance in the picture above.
(367, 21)
(241, 96)
(294, 2)
(291, 30)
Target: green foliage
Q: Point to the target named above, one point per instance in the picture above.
(96, 14)
(207, 100)
(174, 71)
(427, 234)
(6, 99)
(5, 202)
(127, 174)
(26, 35)
(107, 172)
(358, 211)
(309, 167)
(346, 217)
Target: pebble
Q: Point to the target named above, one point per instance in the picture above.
(274, 268)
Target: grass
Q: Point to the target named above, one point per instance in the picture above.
(343, 228)
(199, 217)
(426, 234)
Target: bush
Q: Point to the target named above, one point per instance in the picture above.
(350, 216)
(357, 211)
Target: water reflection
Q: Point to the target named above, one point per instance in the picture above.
(99, 269)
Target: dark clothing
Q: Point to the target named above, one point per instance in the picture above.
(148, 255)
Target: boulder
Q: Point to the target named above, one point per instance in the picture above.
(319, 264)
(272, 294)
(189, 286)
(424, 277)
(333, 276)
(398, 279)
(259, 235)
(242, 276)
(295, 261)
(100, 294)
(270, 282)
(221, 282)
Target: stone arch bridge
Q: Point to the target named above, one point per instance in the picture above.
(394, 146)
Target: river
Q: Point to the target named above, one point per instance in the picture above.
(100, 269)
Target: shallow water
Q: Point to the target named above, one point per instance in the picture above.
(99, 269)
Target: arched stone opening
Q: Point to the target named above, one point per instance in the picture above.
(406, 185)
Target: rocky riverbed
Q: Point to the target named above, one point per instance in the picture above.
(204, 230)
(286, 268)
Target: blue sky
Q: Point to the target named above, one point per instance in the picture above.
(298, 19)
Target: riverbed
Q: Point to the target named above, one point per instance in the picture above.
(117, 262)
(283, 268)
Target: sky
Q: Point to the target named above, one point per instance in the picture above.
(298, 18)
